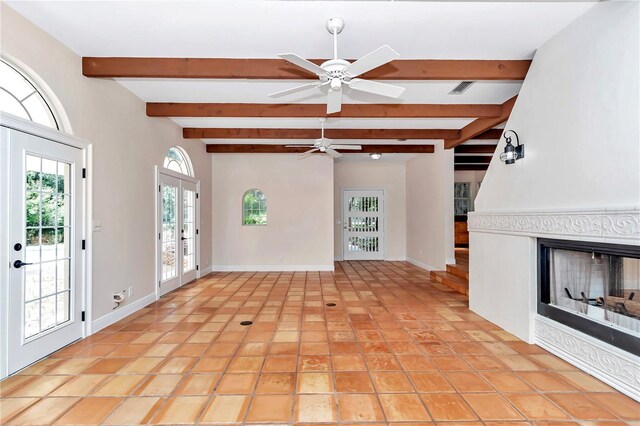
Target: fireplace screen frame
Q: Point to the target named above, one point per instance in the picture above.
(606, 333)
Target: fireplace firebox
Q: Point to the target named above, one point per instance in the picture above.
(593, 288)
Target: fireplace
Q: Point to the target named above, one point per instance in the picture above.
(593, 288)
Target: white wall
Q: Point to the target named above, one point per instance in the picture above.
(126, 147)
(299, 231)
(389, 176)
(430, 242)
(578, 116)
(474, 177)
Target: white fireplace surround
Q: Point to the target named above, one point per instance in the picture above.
(621, 226)
(613, 366)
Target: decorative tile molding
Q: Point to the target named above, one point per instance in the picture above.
(606, 225)
(613, 366)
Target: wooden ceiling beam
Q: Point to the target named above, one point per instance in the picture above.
(475, 149)
(220, 133)
(320, 110)
(470, 167)
(472, 159)
(481, 125)
(267, 69)
(490, 134)
(274, 149)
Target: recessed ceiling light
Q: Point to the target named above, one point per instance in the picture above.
(375, 155)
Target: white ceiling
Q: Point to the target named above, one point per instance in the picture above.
(262, 29)
(249, 91)
(333, 123)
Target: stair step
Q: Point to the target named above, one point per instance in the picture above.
(454, 282)
(459, 271)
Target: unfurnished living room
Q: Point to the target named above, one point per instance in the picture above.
(363, 213)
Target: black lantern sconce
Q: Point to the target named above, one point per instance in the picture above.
(512, 153)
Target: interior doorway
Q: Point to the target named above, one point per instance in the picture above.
(178, 230)
(363, 224)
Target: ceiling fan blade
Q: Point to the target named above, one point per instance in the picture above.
(295, 89)
(303, 63)
(376, 88)
(373, 60)
(333, 153)
(334, 101)
(355, 147)
(307, 153)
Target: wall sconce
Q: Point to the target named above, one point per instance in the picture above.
(512, 153)
(375, 156)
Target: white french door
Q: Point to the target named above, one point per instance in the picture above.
(45, 242)
(177, 233)
(363, 224)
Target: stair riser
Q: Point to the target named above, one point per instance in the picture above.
(458, 272)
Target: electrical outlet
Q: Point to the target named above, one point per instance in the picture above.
(97, 226)
(130, 291)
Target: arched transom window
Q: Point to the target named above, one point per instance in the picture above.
(178, 161)
(254, 208)
(19, 96)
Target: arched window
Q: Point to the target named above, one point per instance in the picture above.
(20, 96)
(254, 208)
(178, 161)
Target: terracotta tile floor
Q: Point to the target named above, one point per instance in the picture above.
(394, 348)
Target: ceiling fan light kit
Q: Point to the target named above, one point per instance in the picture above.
(337, 72)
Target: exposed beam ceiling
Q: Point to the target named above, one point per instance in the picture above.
(475, 149)
(272, 149)
(320, 110)
(272, 69)
(218, 133)
(482, 125)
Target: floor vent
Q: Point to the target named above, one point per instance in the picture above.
(246, 323)
(461, 88)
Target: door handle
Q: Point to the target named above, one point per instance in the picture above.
(19, 264)
(183, 238)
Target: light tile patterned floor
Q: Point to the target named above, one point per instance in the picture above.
(395, 348)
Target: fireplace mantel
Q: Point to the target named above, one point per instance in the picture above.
(606, 225)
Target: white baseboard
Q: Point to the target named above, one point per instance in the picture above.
(615, 367)
(450, 261)
(124, 311)
(421, 264)
(206, 270)
(271, 268)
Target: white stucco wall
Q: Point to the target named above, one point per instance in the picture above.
(578, 116)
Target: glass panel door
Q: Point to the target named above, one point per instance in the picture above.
(177, 218)
(45, 287)
(169, 234)
(363, 220)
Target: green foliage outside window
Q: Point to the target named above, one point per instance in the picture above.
(254, 208)
(45, 207)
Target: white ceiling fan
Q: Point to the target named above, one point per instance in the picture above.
(337, 72)
(324, 145)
